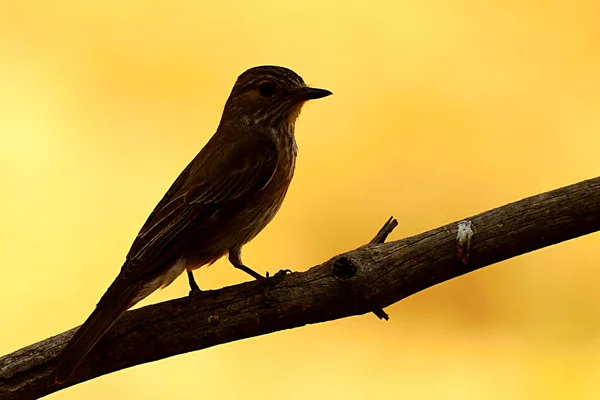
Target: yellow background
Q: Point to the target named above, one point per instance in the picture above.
(441, 109)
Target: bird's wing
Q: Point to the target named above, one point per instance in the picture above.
(219, 174)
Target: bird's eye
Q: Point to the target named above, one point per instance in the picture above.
(267, 89)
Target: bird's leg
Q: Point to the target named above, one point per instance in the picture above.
(235, 258)
(194, 289)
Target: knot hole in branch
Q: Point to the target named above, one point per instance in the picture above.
(344, 268)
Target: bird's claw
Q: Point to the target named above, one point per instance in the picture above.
(270, 281)
(277, 278)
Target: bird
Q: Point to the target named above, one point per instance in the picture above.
(225, 196)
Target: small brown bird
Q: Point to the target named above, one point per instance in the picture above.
(227, 194)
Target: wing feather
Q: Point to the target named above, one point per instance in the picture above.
(194, 197)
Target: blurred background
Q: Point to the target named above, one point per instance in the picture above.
(441, 110)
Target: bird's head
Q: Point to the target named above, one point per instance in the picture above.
(268, 96)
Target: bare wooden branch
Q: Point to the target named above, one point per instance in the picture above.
(357, 282)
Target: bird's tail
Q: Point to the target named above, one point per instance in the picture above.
(107, 312)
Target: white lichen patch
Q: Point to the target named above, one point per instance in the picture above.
(463, 241)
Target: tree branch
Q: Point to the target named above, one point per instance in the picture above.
(357, 282)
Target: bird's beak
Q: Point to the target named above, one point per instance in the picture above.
(308, 93)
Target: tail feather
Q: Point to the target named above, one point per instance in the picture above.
(121, 295)
(97, 324)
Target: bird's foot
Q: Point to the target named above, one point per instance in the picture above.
(195, 292)
(270, 281)
(275, 279)
(267, 280)
(194, 288)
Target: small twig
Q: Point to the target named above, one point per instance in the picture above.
(381, 314)
(385, 230)
(383, 233)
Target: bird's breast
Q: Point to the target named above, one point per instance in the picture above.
(265, 204)
(238, 222)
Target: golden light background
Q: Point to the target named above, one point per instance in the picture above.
(441, 110)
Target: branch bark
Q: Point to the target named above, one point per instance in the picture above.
(353, 283)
